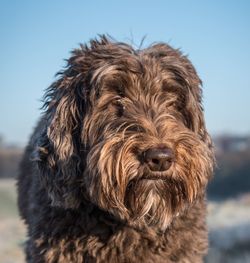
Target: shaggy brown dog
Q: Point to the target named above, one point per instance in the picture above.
(117, 167)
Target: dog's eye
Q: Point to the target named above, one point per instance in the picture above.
(116, 87)
(171, 87)
(120, 92)
(119, 107)
(135, 128)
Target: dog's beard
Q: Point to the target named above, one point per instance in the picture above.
(154, 202)
(118, 183)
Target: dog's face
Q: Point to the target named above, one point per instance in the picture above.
(132, 123)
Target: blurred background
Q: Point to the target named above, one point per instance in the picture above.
(37, 35)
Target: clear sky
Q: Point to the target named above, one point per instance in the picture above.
(37, 35)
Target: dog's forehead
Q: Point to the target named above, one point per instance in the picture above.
(119, 68)
(141, 70)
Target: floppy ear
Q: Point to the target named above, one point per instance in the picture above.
(58, 148)
(59, 151)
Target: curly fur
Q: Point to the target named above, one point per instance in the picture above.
(84, 192)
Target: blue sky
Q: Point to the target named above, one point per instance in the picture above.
(37, 35)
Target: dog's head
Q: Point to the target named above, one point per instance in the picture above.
(125, 129)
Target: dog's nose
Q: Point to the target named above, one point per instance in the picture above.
(158, 159)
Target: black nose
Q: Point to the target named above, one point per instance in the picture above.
(158, 159)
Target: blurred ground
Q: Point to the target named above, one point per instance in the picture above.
(229, 226)
(11, 228)
(229, 231)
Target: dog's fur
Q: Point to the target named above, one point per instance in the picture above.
(84, 191)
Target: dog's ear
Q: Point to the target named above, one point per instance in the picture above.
(59, 151)
(174, 61)
(58, 148)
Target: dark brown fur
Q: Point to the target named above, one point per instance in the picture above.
(84, 192)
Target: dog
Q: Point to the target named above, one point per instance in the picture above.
(117, 167)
